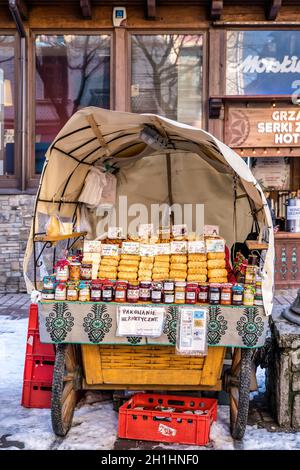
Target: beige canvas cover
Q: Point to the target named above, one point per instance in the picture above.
(202, 172)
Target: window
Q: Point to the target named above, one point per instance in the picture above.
(262, 62)
(72, 72)
(166, 76)
(7, 105)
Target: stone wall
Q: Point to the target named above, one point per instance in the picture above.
(15, 221)
(283, 373)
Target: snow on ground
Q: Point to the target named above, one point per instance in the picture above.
(94, 425)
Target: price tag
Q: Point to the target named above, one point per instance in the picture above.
(115, 233)
(110, 250)
(179, 248)
(146, 230)
(211, 230)
(162, 249)
(179, 230)
(196, 246)
(130, 248)
(215, 245)
(92, 246)
(140, 321)
(147, 250)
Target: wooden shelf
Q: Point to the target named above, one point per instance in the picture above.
(255, 245)
(46, 238)
(282, 235)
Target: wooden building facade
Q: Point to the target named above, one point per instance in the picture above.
(231, 67)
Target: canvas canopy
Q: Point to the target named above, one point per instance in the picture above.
(194, 168)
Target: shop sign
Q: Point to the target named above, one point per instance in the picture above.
(140, 320)
(263, 127)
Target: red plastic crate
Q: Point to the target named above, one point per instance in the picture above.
(33, 321)
(151, 424)
(36, 394)
(34, 345)
(39, 368)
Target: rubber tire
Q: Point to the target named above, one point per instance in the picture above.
(239, 427)
(59, 428)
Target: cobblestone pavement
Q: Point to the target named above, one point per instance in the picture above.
(15, 305)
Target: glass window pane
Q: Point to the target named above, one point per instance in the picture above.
(7, 104)
(72, 71)
(166, 76)
(262, 62)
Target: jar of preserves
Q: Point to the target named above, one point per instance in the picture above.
(61, 291)
(74, 271)
(156, 292)
(226, 294)
(191, 293)
(237, 294)
(84, 291)
(133, 292)
(169, 296)
(107, 291)
(96, 290)
(145, 291)
(86, 271)
(248, 298)
(62, 270)
(48, 294)
(250, 274)
(252, 260)
(72, 291)
(120, 291)
(203, 293)
(214, 294)
(49, 282)
(168, 285)
(180, 292)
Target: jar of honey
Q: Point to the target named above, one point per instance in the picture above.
(133, 292)
(120, 291)
(226, 294)
(84, 291)
(249, 292)
(180, 292)
(72, 291)
(74, 271)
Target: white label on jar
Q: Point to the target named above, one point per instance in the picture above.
(202, 296)
(145, 293)
(180, 295)
(133, 293)
(96, 293)
(120, 294)
(156, 294)
(191, 295)
(62, 274)
(72, 292)
(214, 296)
(48, 296)
(169, 285)
(107, 294)
(225, 296)
(237, 297)
(61, 295)
(169, 298)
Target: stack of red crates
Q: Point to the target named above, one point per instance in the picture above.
(38, 368)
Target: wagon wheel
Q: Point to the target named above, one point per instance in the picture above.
(238, 386)
(65, 386)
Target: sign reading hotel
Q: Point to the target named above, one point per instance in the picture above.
(263, 127)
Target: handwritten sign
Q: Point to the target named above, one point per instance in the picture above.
(140, 321)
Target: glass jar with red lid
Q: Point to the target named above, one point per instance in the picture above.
(191, 292)
(145, 291)
(133, 292)
(96, 290)
(120, 291)
(107, 291)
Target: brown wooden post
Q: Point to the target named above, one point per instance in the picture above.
(120, 82)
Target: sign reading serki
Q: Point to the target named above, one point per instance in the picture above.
(263, 127)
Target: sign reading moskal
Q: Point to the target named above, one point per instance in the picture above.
(140, 320)
(263, 127)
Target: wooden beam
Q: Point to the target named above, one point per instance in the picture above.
(216, 9)
(21, 6)
(273, 9)
(86, 8)
(150, 9)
